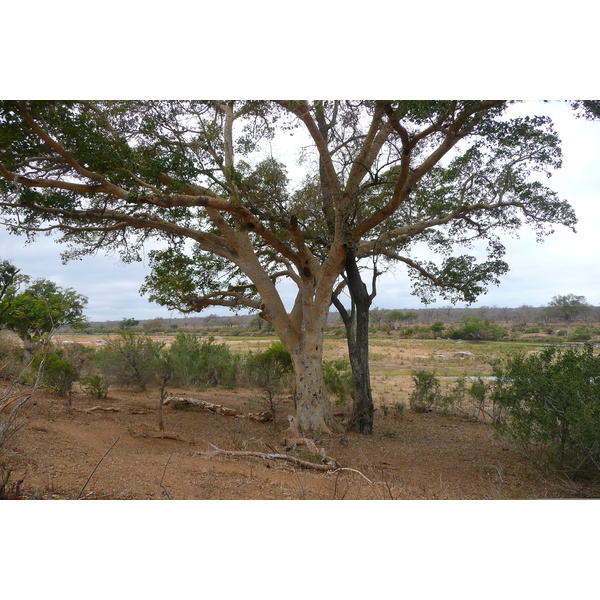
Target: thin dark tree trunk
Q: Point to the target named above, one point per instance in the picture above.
(357, 329)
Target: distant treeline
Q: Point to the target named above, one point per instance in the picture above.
(520, 316)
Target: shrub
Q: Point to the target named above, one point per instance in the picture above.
(13, 418)
(438, 327)
(130, 359)
(427, 391)
(276, 352)
(95, 386)
(201, 363)
(473, 328)
(553, 404)
(338, 379)
(580, 334)
(59, 373)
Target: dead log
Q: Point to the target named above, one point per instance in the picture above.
(210, 406)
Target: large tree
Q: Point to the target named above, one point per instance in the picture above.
(196, 176)
(567, 307)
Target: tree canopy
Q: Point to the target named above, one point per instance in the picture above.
(382, 177)
(567, 307)
(39, 310)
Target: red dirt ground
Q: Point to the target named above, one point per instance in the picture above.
(415, 456)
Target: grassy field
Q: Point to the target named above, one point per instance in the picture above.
(392, 359)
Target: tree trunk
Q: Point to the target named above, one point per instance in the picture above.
(357, 330)
(359, 361)
(313, 408)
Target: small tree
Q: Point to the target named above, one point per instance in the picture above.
(37, 312)
(131, 322)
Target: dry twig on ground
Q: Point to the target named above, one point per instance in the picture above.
(92, 473)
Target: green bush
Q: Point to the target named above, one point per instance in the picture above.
(58, 372)
(471, 401)
(201, 363)
(338, 379)
(438, 327)
(95, 386)
(276, 352)
(473, 328)
(553, 404)
(580, 334)
(427, 391)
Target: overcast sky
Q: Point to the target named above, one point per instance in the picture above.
(565, 263)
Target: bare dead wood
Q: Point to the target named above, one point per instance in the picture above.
(92, 473)
(210, 406)
(163, 475)
(166, 436)
(95, 408)
(305, 464)
(351, 470)
(296, 439)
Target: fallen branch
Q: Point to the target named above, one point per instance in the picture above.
(349, 469)
(92, 473)
(305, 464)
(167, 436)
(163, 475)
(95, 408)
